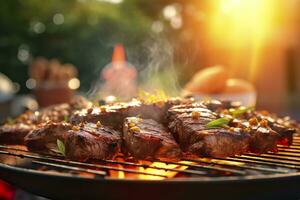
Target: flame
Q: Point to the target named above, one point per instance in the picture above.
(162, 172)
(168, 174)
(117, 174)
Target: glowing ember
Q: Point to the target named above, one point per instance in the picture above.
(168, 174)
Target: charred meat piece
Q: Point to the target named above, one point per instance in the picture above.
(62, 112)
(217, 106)
(28, 121)
(194, 137)
(114, 115)
(55, 113)
(92, 141)
(44, 137)
(263, 138)
(284, 126)
(14, 133)
(146, 139)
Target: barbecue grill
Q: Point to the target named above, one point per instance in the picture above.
(250, 176)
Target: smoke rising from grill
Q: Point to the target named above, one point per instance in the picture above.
(159, 70)
(154, 61)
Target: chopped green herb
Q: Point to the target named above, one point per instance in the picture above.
(10, 121)
(66, 118)
(218, 122)
(61, 147)
(240, 111)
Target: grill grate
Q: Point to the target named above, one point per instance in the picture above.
(286, 160)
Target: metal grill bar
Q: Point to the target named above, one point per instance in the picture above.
(279, 157)
(285, 161)
(194, 172)
(186, 171)
(288, 150)
(283, 153)
(96, 172)
(241, 165)
(261, 162)
(270, 160)
(239, 172)
(79, 163)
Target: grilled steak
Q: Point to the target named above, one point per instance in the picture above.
(114, 115)
(28, 121)
(45, 136)
(284, 126)
(14, 133)
(147, 139)
(188, 123)
(263, 138)
(92, 141)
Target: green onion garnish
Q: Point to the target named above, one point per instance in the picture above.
(218, 122)
(239, 111)
(61, 147)
(66, 118)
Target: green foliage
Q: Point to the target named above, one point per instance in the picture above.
(86, 37)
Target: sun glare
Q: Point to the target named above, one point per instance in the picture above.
(243, 24)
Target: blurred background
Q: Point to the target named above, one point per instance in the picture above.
(166, 41)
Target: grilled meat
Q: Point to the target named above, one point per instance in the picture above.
(114, 115)
(147, 139)
(45, 136)
(57, 113)
(14, 133)
(144, 134)
(92, 141)
(285, 127)
(81, 142)
(218, 106)
(188, 124)
(263, 138)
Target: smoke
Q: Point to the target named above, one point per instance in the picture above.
(158, 70)
(154, 60)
